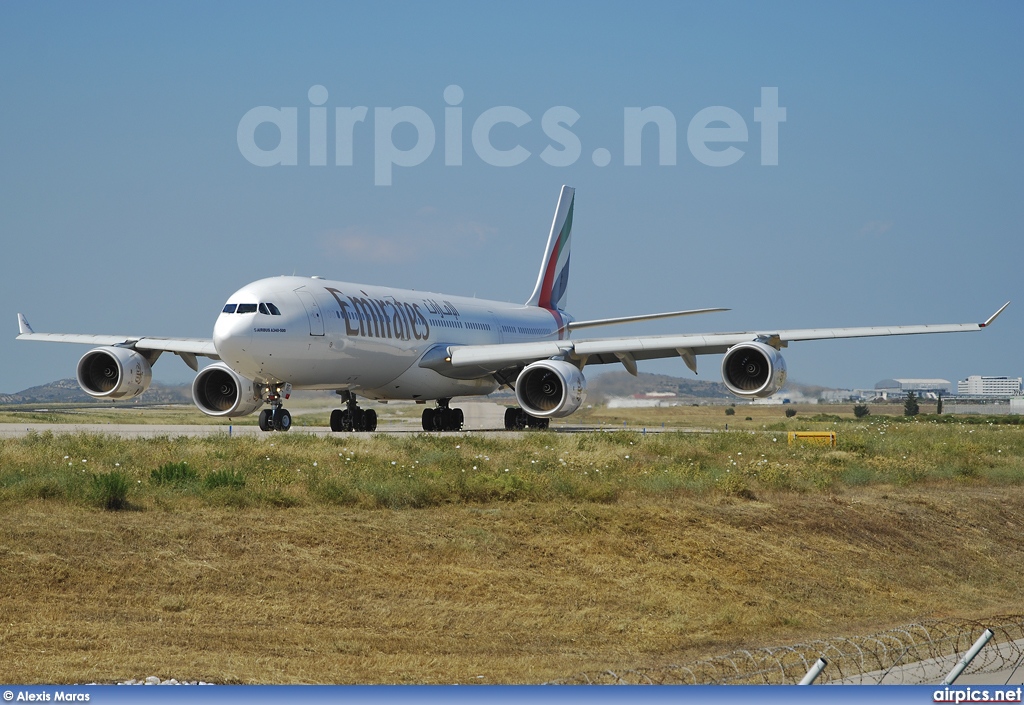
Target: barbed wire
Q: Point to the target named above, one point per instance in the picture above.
(923, 652)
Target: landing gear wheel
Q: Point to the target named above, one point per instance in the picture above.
(352, 418)
(518, 419)
(265, 420)
(515, 419)
(345, 420)
(443, 418)
(537, 423)
(282, 420)
(358, 420)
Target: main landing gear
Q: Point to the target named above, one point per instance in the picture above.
(352, 418)
(276, 418)
(518, 419)
(443, 418)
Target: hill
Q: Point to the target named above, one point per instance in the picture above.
(67, 391)
(620, 383)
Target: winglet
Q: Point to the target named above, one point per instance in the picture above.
(993, 316)
(24, 327)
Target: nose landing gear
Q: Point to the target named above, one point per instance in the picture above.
(276, 418)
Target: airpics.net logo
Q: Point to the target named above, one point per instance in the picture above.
(712, 134)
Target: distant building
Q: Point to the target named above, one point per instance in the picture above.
(923, 388)
(989, 405)
(977, 385)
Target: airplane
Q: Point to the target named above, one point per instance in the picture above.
(285, 333)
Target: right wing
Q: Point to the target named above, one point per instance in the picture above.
(186, 348)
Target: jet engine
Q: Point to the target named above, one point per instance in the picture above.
(551, 389)
(114, 373)
(753, 370)
(220, 391)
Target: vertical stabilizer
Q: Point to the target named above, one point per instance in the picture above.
(553, 280)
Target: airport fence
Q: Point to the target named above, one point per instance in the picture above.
(914, 654)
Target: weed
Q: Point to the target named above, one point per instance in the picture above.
(174, 474)
(110, 490)
(277, 498)
(733, 485)
(230, 479)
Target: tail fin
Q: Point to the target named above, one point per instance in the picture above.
(553, 280)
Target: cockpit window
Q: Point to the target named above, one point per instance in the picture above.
(267, 309)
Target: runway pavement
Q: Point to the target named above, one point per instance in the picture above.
(480, 417)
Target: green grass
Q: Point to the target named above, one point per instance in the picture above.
(416, 471)
(109, 490)
(230, 479)
(174, 475)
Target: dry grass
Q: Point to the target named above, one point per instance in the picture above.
(419, 559)
(518, 593)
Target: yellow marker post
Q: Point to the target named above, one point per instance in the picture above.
(817, 437)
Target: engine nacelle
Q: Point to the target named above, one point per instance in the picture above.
(220, 391)
(114, 373)
(753, 370)
(551, 389)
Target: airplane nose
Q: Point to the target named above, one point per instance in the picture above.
(232, 335)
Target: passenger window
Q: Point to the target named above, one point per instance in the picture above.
(264, 310)
(246, 308)
(274, 310)
(229, 308)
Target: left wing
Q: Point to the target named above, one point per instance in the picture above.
(186, 348)
(629, 350)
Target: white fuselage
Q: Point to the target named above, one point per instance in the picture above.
(315, 333)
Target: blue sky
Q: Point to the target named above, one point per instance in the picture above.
(128, 206)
